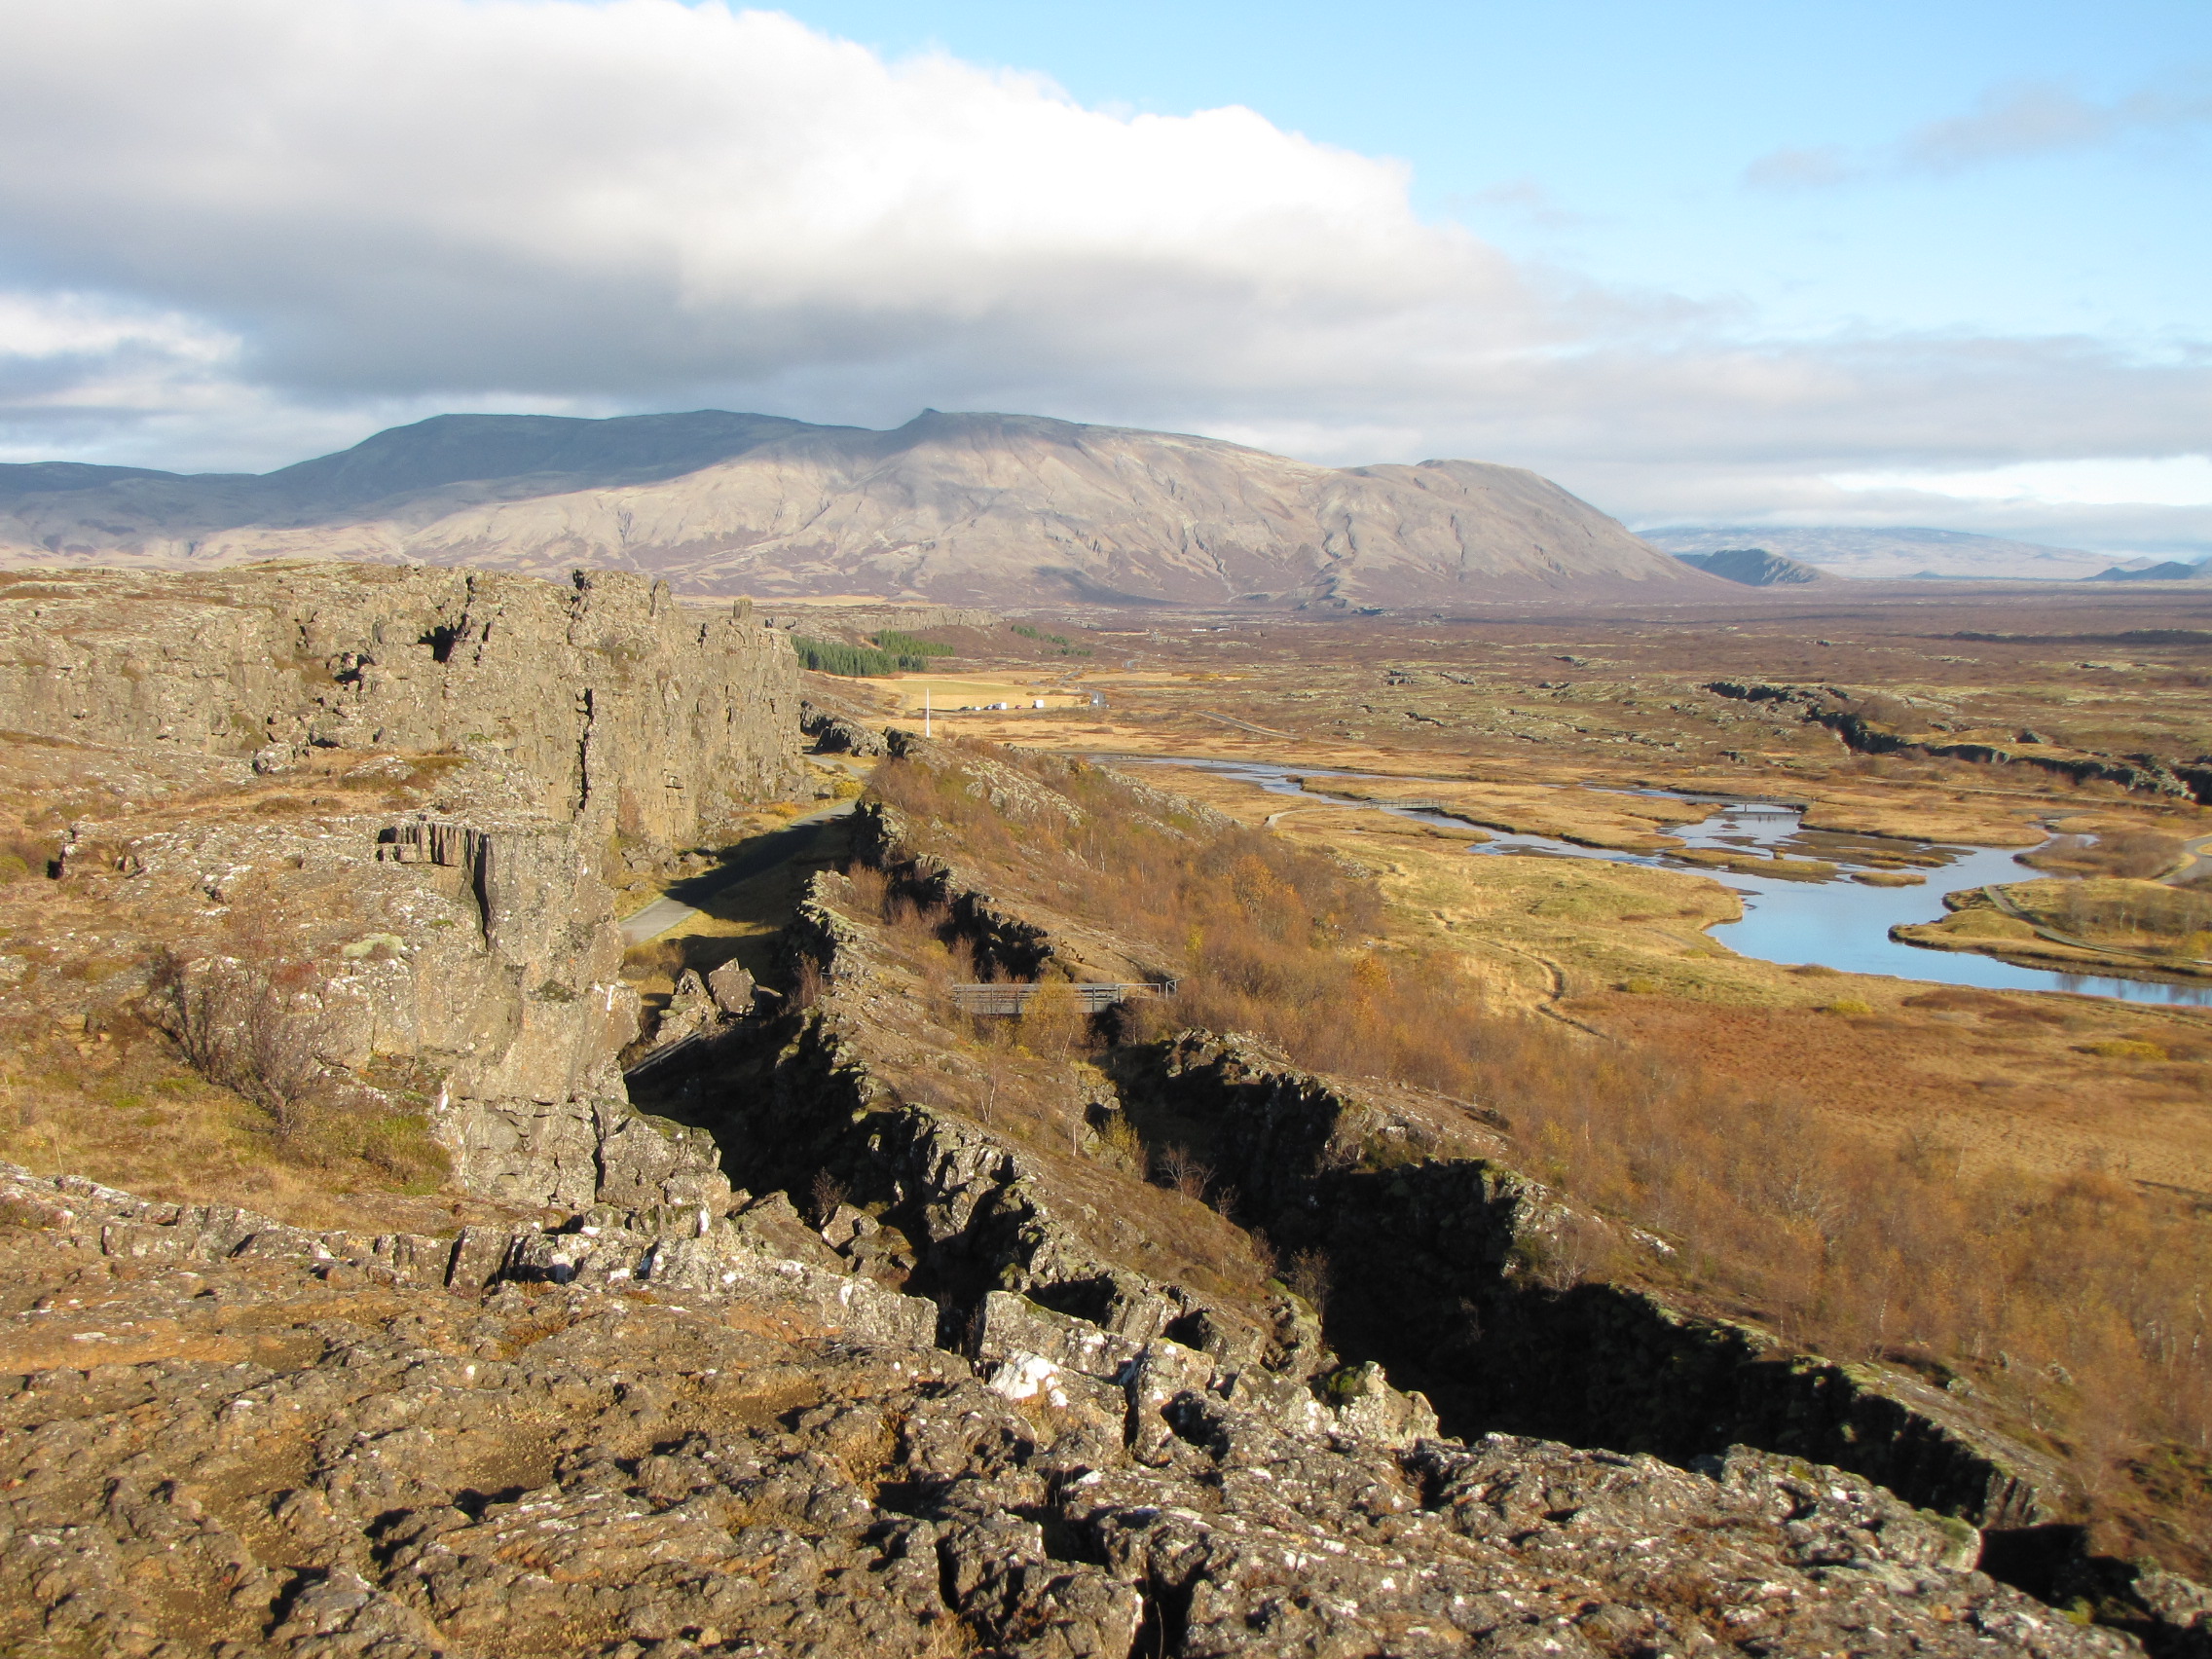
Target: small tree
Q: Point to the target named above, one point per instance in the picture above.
(242, 1024)
(1179, 1168)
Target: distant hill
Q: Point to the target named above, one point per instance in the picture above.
(1891, 554)
(2172, 570)
(989, 509)
(1753, 566)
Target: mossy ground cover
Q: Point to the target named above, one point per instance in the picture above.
(90, 1083)
(118, 1105)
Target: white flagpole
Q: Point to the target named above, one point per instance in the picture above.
(925, 711)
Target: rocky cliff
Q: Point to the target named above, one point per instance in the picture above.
(989, 509)
(401, 794)
(997, 1392)
(1456, 1256)
(967, 1165)
(630, 712)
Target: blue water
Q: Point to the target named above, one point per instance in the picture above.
(1836, 924)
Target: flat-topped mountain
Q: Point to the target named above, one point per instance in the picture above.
(975, 508)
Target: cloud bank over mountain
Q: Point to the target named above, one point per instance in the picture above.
(241, 232)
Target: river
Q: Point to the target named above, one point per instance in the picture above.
(1839, 923)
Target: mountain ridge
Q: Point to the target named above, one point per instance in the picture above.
(1889, 553)
(1755, 567)
(973, 508)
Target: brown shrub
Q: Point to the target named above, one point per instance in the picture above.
(1309, 1277)
(2137, 854)
(1176, 1167)
(806, 984)
(826, 1194)
(24, 857)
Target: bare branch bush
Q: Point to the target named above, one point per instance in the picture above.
(1308, 1276)
(256, 1028)
(807, 984)
(827, 1193)
(1178, 1168)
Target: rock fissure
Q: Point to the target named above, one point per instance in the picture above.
(1464, 1273)
(962, 1401)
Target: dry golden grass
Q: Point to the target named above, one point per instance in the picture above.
(118, 1105)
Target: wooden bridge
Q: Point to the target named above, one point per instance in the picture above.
(1014, 999)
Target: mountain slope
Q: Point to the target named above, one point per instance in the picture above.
(977, 508)
(1753, 566)
(1886, 554)
(2171, 571)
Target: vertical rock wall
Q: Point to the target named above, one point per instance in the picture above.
(472, 933)
(626, 709)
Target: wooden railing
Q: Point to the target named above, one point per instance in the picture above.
(1086, 997)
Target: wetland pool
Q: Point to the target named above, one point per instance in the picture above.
(1838, 923)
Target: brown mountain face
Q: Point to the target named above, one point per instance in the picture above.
(1001, 510)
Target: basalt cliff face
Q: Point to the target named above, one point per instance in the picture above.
(991, 509)
(378, 809)
(628, 711)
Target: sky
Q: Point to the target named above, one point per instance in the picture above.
(1934, 264)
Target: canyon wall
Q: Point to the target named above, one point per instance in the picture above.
(626, 709)
(408, 789)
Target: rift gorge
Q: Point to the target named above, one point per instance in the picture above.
(1388, 1070)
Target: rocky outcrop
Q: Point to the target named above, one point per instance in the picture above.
(978, 1210)
(1467, 1289)
(482, 951)
(1460, 1276)
(1830, 707)
(623, 708)
(319, 1444)
(838, 734)
(516, 729)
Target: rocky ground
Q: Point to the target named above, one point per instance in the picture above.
(227, 1436)
(500, 1364)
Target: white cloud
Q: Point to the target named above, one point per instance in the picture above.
(239, 231)
(2172, 481)
(2024, 118)
(39, 327)
(605, 200)
(2034, 117)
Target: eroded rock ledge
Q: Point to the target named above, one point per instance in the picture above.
(617, 704)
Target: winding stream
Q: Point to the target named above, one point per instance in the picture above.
(1838, 923)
